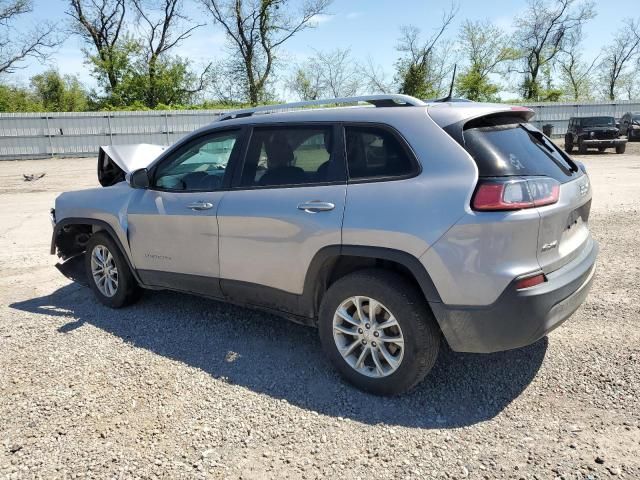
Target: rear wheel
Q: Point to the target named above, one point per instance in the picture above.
(601, 149)
(378, 331)
(108, 273)
(620, 149)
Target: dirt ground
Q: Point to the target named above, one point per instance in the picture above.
(182, 387)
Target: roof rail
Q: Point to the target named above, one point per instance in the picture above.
(393, 100)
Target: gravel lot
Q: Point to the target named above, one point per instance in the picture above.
(181, 387)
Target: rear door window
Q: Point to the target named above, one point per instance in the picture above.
(291, 155)
(509, 147)
(375, 152)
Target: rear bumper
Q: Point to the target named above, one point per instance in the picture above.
(596, 143)
(519, 317)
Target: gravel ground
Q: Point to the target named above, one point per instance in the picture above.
(181, 387)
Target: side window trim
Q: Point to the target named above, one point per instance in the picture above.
(339, 166)
(184, 145)
(416, 166)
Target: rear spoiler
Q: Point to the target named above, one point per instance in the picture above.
(115, 161)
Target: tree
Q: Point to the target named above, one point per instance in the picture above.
(617, 56)
(541, 33)
(376, 77)
(485, 48)
(306, 82)
(575, 73)
(17, 46)
(326, 74)
(256, 30)
(100, 24)
(59, 94)
(163, 28)
(18, 99)
(421, 67)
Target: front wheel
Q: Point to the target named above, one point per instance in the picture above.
(108, 272)
(378, 331)
(582, 148)
(620, 149)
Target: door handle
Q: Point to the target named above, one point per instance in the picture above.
(316, 206)
(200, 206)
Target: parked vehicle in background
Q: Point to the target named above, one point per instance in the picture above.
(385, 226)
(630, 126)
(593, 132)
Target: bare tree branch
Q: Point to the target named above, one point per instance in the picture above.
(619, 54)
(541, 33)
(100, 24)
(15, 46)
(257, 29)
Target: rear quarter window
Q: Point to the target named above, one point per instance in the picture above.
(510, 147)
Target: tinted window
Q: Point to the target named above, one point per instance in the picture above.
(506, 147)
(598, 122)
(200, 165)
(375, 152)
(289, 156)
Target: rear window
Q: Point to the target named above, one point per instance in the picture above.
(509, 147)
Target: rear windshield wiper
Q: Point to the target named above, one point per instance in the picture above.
(551, 148)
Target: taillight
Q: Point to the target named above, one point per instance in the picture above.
(515, 194)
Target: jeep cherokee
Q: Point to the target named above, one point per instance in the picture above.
(387, 226)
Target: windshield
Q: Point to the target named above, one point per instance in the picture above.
(598, 122)
(636, 118)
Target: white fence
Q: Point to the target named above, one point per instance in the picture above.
(34, 135)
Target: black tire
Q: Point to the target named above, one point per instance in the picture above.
(582, 148)
(128, 291)
(568, 147)
(419, 329)
(602, 149)
(620, 149)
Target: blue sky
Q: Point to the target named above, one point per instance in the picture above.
(367, 27)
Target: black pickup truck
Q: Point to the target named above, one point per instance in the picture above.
(594, 132)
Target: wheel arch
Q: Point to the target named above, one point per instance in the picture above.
(335, 261)
(96, 226)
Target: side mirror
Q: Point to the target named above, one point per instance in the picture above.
(138, 178)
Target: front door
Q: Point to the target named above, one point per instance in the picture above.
(287, 203)
(173, 230)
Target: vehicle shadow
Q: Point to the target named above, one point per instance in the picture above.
(272, 356)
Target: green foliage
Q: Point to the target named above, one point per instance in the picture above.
(474, 86)
(170, 82)
(58, 93)
(414, 81)
(17, 99)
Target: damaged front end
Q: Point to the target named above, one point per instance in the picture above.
(69, 242)
(115, 161)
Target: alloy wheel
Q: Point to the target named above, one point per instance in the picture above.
(104, 270)
(368, 336)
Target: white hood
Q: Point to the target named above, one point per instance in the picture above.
(114, 161)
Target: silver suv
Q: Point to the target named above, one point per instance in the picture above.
(387, 226)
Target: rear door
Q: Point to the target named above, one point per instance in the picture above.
(173, 230)
(286, 204)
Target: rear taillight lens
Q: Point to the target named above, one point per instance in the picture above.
(515, 194)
